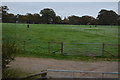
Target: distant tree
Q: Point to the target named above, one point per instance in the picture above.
(65, 21)
(74, 20)
(11, 18)
(22, 19)
(29, 18)
(3, 10)
(94, 21)
(36, 19)
(48, 15)
(57, 20)
(118, 20)
(107, 17)
(85, 20)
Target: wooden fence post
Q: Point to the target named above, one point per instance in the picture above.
(44, 76)
(119, 52)
(62, 48)
(103, 49)
(24, 45)
(48, 47)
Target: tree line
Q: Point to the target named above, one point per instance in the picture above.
(48, 16)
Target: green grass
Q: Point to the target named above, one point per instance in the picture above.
(38, 36)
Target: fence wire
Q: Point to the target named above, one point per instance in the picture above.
(88, 49)
(68, 48)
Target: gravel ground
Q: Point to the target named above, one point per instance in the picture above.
(35, 65)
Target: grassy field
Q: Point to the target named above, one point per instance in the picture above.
(38, 36)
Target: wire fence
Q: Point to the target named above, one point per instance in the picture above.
(81, 74)
(88, 49)
(34, 47)
(69, 48)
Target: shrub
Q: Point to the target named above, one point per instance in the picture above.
(9, 50)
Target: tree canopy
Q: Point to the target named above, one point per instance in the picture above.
(107, 17)
(48, 16)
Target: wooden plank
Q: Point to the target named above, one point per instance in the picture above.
(109, 53)
(33, 75)
(56, 51)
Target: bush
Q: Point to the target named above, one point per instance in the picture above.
(9, 50)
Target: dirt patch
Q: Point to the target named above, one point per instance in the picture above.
(35, 65)
(38, 64)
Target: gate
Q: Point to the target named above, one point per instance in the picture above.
(54, 47)
(87, 49)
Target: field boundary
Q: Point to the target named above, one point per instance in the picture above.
(63, 44)
(46, 75)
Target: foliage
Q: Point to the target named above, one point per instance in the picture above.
(65, 21)
(48, 16)
(74, 20)
(9, 50)
(8, 73)
(4, 9)
(107, 17)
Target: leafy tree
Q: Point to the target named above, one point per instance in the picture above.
(85, 20)
(22, 19)
(58, 20)
(48, 15)
(118, 19)
(36, 18)
(107, 17)
(29, 18)
(3, 10)
(74, 19)
(94, 21)
(65, 21)
(11, 18)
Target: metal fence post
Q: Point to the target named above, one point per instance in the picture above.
(103, 49)
(73, 75)
(62, 44)
(102, 76)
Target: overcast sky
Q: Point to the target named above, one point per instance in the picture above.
(62, 9)
(60, 0)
